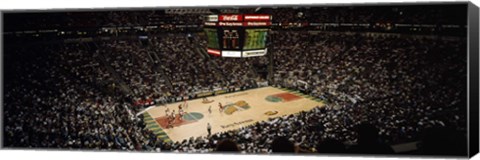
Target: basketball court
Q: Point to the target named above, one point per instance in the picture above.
(241, 109)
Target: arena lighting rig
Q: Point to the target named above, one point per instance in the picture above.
(237, 35)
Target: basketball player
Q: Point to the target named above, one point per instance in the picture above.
(180, 114)
(166, 111)
(169, 123)
(220, 107)
(172, 121)
(209, 129)
(210, 110)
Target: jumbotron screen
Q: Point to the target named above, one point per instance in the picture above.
(237, 35)
(255, 38)
(212, 38)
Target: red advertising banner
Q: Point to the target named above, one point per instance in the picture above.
(238, 24)
(214, 52)
(210, 24)
(230, 23)
(257, 23)
(231, 17)
(257, 17)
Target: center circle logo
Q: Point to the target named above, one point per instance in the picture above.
(273, 99)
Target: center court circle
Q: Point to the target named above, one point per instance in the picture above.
(192, 116)
(273, 99)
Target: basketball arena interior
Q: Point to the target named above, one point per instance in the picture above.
(359, 79)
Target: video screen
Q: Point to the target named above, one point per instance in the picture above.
(255, 38)
(212, 38)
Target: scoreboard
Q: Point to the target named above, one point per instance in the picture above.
(237, 35)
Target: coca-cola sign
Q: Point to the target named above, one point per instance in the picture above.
(233, 17)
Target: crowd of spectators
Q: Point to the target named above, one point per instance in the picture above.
(401, 84)
(422, 14)
(189, 72)
(135, 67)
(166, 68)
(51, 103)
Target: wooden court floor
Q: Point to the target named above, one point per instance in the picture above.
(241, 109)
